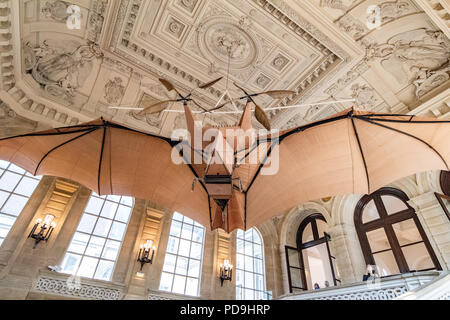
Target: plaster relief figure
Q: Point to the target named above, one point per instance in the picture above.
(420, 57)
(60, 72)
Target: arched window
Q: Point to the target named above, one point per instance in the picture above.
(390, 234)
(96, 243)
(16, 187)
(250, 274)
(184, 256)
(310, 265)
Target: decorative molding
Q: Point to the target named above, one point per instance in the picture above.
(61, 287)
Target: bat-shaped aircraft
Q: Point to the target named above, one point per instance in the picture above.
(236, 177)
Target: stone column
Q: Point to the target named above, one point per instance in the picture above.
(436, 225)
(345, 247)
(127, 257)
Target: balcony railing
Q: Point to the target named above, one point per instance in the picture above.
(387, 288)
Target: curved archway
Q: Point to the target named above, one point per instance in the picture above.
(390, 234)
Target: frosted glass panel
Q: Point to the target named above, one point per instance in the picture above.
(407, 232)
(417, 257)
(393, 204)
(378, 240)
(386, 263)
(370, 212)
(307, 234)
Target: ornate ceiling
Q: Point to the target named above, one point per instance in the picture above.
(53, 75)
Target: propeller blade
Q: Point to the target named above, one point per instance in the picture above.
(169, 86)
(157, 107)
(209, 84)
(278, 94)
(262, 117)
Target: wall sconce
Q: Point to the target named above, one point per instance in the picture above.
(46, 229)
(144, 253)
(226, 271)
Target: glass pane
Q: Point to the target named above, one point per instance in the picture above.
(87, 223)
(386, 263)
(3, 196)
(70, 263)
(111, 250)
(188, 220)
(109, 210)
(6, 222)
(307, 233)
(196, 251)
(192, 287)
(113, 198)
(249, 294)
(182, 266)
(4, 164)
(123, 214)
(259, 284)
(117, 231)
(393, 204)
(102, 227)
(87, 267)
(417, 257)
(186, 232)
(322, 227)
(248, 248)
(256, 237)
(240, 234)
(249, 235)
(239, 278)
(198, 234)
(184, 248)
(407, 232)
(94, 205)
(79, 242)
(194, 268)
(166, 281)
(258, 266)
(248, 280)
(169, 263)
(239, 246)
(257, 250)
(296, 278)
(128, 201)
(104, 270)
(26, 186)
(293, 258)
(177, 216)
(175, 229)
(248, 263)
(95, 247)
(179, 282)
(14, 205)
(378, 240)
(14, 168)
(370, 212)
(172, 245)
(239, 261)
(9, 181)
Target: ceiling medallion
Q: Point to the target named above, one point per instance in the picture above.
(219, 38)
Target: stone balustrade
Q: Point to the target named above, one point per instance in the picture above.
(382, 289)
